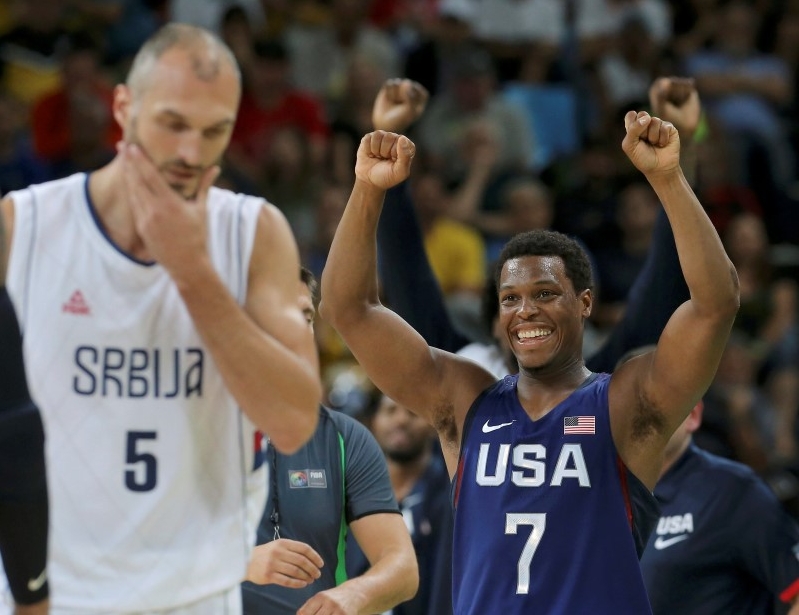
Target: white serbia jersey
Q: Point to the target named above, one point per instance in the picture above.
(152, 467)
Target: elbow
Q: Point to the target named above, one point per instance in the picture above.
(733, 300)
(300, 423)
(411, 579)
(289, 441)
(726, 299)
(339, 313)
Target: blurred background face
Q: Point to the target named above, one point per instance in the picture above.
(745, 239)
(738, 29)
(530, 205)
(429, 195)
(638, 209)
(182, 122)
(332, 202)
(402, 435)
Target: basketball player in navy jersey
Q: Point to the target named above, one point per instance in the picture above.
(544, 463)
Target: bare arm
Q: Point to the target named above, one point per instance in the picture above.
(659, 288)
(651, 395)
(265, 351)
(430, 382)
(393, 576)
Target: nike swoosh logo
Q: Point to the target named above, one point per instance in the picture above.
(36, 584)
(489, 428)
(662, 543)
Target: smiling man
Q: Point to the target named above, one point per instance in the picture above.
(546, 463)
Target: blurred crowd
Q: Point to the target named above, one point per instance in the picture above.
(522, 131)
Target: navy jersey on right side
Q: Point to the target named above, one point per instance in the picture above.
(723, 545)
(543, 520)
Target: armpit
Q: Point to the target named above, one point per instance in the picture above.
(443, 417)
(648, 421)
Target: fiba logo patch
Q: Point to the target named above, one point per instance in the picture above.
(307, 479)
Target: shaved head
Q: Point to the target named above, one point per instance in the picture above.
(207, 54)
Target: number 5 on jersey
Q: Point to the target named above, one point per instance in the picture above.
(141, 474)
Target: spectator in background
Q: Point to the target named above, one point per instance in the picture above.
(769, 318)
(19, 164)
(332, 491)
(30, 52)
(627, 70)
(432, 60)
(208, 14)
(420, 485)
(723, 194)
(321, 53)
(237, 33)
(270, 104)
(745, 91)
(619, 263)
(461, 115)
(351, 115)
(455, 250)
(73, 126)
(723, 543)
(738, 420)
(523, 201)
(122, 25)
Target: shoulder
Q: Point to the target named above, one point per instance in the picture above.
(732, 481)
(734, 471)
(352, 430)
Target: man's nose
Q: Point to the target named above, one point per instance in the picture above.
(190, 148)
(527, 308)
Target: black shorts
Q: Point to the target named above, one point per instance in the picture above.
(23, 503)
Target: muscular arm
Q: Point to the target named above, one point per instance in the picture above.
(659, 288)
(651, 395)
(430, 382)
(266, 352)
(393, 575)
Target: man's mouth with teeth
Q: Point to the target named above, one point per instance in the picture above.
(532, 333)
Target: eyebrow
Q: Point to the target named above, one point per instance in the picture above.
(540, 282)
(171, 114)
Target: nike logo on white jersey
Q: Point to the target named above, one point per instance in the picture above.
(662, 543)
(36, 584)
(489, 428)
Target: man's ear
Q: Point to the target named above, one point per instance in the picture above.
(587, 297)
(122, 105)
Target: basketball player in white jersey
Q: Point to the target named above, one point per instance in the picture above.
(161, 331)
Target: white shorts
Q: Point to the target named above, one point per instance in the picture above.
(225, 603)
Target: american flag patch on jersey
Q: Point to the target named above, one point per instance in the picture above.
(579, 424)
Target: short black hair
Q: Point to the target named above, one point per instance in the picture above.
(309, 279)
(544, 242)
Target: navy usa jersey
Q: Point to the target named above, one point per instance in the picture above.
(544, 519)
(723, 543)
